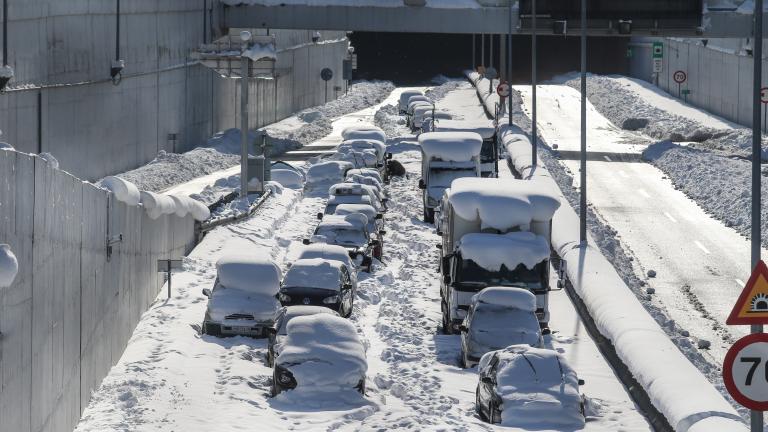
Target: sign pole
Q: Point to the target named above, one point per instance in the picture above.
(583, 162)
(169, 279)
(757, 57)
(509, 65)
(534, 132)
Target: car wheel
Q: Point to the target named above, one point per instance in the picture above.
(447, 327)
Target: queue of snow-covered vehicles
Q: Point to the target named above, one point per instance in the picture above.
(301, 310)
(495, 272)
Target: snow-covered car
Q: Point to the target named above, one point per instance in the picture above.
(378, 200)
(350, 232)
(243, 300)
(321, 355)
(402, 103)
(334, 170)
(366, 180)
(364, 132)
(375, 223)
(529, 388)
(328, 252)
(432, 120)
(367, 172)
(319, 282)
(335, 201)
(358, 158)
(497, 318)
(360, 144)
(413, 101)
(279, 331)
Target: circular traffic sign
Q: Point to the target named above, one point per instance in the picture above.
(503, 89)
(764, 95)
(680, 77)
(745, 371)
(326, 74)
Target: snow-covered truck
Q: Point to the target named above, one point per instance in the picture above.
(494, 233)
(489, 155)
(446, 156)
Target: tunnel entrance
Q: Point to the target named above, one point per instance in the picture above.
(416, 58)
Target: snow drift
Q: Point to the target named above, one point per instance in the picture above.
(123, 190)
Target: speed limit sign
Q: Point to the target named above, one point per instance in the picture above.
(503, 89)
(745, 371)
(680, 77)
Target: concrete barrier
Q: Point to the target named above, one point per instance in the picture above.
(67, 317)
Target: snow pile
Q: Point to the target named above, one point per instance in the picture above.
(184, 205)
(314, 273)
(52, 161)
(364, 132)
(254, 272)
(324, 353)
(258, 51)
(328, 171)
(537, 387)
(451, 146)
(9, 266)
(157, 205)
(170, 169)
(512, 298)
(124, 190)
(288, 178)
(492, 251)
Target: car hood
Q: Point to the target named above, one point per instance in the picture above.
(230, 301)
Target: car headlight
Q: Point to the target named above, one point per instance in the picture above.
(431, 201)
(332, 299)
(284, 297)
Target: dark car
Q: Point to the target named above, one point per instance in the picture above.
(349, 231)
(280, 330)
(319, 282)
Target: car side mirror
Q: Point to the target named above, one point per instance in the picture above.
(305, 241)
(382, 232)
(389, 156)
(486, 380)
(207, 292)
(439, 246)
(581, 382)
(422, 185)
(379, 216)
(320, 216)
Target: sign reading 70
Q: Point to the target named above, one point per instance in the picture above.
(745, 371)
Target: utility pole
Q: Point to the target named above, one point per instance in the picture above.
(509, 65)
(244, 63)
(534, 132)
(756, 417)
(583, 165)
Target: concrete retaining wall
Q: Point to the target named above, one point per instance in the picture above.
(62, 101)
(71, 310)
(720, 81)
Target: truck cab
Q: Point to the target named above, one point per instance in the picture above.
(446, 156)
(489, 154)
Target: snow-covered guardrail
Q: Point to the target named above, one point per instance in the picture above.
(675, 387)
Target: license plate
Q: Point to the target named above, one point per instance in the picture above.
(244, 329)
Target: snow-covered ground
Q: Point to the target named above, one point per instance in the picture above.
(172, 378)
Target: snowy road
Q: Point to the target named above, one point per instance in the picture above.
(701, 265)
(173, 379)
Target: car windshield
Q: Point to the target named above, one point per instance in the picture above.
(471, 274)
(343, 236)
(486, 154)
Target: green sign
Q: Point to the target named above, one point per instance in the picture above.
(658, 50)
(686, 92)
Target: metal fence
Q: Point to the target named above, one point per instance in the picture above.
(70, 312)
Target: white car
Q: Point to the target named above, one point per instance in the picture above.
(375, 219)
(327, 252)
(402, 104)
(364, 131)
(279, 331)
(243, 300)
(497, 318)
(319, 282)
(370, 181)
(321, 355)
(358, 158)
(378, 201)
(367, 172)
(335, 201)
(530, 389)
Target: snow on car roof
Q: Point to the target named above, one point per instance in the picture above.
(367, 180)
(367, 172)
(254, 272)
(513, 298)
(491, 251)
(484, 128)
(406, 95)
(314, 273)
(302, 310)
(323, 352)
(349, 199)
(327, 252)
(366, 209)
(375, 144)
(537, 387)
(350, 188)
(328, 171)
(353, 221)
(364, 133)
(451, 146)
(503, 204)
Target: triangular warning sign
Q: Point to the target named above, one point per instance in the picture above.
(752, 305)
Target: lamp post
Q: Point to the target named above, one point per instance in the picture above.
(534, 132)
(245, 37)
(583, 162)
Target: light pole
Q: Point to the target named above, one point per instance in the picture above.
(534, 132)
(583, 164)
(509, 66)
(245, 36)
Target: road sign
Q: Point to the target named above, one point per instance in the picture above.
(680, 77)
(745, 371)
(764, 95)
(658, 50)
(657, 65)
(503, 89)
(326, 74)
(752, 305)
(354, 61)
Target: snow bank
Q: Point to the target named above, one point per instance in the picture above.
(675, 386)
(324, 353)
(288, 178)
(513, 298)
(123, 190)
(198, 210)
(537, 387)
(314, 273)
(9, 266)
(254, 272)
(451, 146)
(491, 251)
(328, 171)
(157, 205)
(5, 146)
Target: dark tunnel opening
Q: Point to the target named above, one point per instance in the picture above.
(416, 58)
